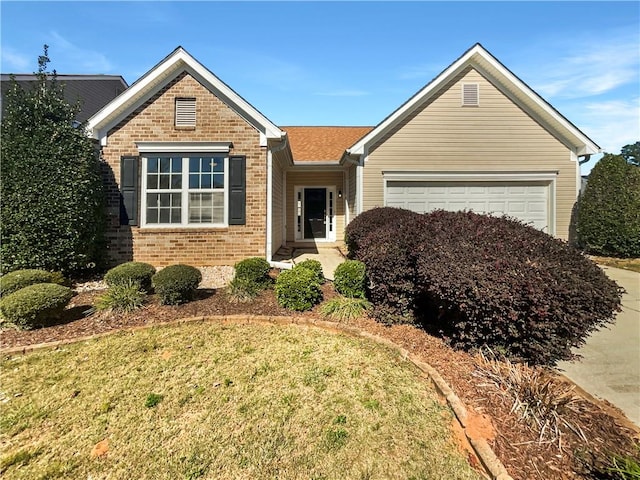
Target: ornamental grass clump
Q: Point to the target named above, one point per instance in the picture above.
(344, 309)
(14, 281)
(123, 297)
(37, 305)
(480, 280)
(298, 289)
(131, 272)
(176, 284)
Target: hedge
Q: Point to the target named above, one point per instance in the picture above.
(36, 305)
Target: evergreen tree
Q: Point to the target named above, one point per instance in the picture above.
(52, 202)
(608, 221)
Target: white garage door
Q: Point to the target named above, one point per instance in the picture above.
(527, 201)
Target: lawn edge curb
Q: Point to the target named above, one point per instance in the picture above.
(481, 448)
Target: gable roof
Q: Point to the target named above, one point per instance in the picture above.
(322, 144)
(93, 91)
(155, 79)
(518, 91)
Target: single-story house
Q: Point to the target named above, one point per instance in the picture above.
(198, 175)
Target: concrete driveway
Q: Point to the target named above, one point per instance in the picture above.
(610, 364)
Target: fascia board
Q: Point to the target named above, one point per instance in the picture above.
(151, 82)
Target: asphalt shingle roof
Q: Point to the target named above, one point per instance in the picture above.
(322, 144)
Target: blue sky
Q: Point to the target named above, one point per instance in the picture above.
(350, 63)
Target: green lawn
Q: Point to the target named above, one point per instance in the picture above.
(210, 401)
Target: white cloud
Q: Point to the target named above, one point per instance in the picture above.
(589, 68)
(72, 58)
(16, 62)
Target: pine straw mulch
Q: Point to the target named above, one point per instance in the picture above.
(516, 443)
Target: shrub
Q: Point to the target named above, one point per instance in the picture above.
(344, 309)
(252, 276)
(482, 280)
(14, 281)
(314, 266)
(242, 289)
(53, 203)
(371, 221)
(608, 219)
(350, 279)
(35, 305)
(123, 297)
(176, 284)
(298, 289)
(131, 272)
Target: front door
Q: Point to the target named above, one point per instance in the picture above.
(315, 212)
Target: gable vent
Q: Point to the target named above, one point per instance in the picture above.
(470, 94)
(185, 112)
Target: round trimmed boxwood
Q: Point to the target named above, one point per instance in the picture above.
(253, 271)
(14, 281)
(314, 266)
(35, 305)
(350, 279)
(138, 273)
(176, 284)
(298, 289)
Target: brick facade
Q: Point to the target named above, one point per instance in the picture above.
(153, 121)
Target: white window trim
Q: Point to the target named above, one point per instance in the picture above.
(184, 191)
(182, 147)
(330, 233)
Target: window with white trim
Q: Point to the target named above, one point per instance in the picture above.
(185, 112)
(185, 189)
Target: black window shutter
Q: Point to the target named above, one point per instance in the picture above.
(129, 190)
(237, 190)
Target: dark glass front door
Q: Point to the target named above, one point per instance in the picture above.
(315, 204)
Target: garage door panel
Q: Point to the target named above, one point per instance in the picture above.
(525, 201)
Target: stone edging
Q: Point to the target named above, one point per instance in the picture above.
(489, 460)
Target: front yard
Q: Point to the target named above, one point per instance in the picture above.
(205, 400)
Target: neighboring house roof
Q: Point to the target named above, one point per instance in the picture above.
(519, 92)
(159, 76)
(322, 144)
(93, 91)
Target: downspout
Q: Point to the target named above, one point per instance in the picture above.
(269, 248)
(585, 158)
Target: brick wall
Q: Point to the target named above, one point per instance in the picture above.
(154, 121)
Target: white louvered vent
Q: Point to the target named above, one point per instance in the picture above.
(185, 112)
(470, 95)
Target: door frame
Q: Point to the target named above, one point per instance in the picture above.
(299, 212)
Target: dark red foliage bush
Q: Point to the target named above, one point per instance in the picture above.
(482, 280)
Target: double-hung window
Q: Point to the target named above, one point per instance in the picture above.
(185, 189)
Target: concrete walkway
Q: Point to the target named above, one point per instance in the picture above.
(610, 364)
(329, 257)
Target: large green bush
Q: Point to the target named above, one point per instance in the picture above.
(138, 273)
(176, 284)
(298, 289)
(608, 220)
(52, 205)
(350, 279)
(35, 305)
(14, 281)
(482, 280)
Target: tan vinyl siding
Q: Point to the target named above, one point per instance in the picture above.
(496, 136)
(311, 179)
(352, 175)
(277, 206)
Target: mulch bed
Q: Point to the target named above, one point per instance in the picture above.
(516, 444)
